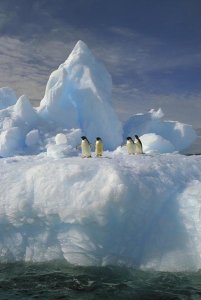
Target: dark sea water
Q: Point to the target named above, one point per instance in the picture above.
(60, 281)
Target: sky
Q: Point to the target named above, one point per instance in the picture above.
(151, 48)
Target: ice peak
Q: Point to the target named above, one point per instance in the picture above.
(23, 104)
(80, 47)
(156, 114)
(78, 95)
(80, 52)
(24, 110)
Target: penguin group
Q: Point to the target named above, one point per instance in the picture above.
(133, 146)
(86, 147)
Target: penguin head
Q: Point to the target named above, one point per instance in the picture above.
(129, 138)
(83, 137)
(98, 139)
(136, 136)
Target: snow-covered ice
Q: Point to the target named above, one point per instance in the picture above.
(78, 99)
(78, 95)
(137, 210)
(154, 143)
(142, 211)
(32, 138)
(178, 134)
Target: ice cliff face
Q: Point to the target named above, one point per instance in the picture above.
(78, 95)
(141, 211)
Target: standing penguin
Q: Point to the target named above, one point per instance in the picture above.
(99, 147)
(130, 145)
(138, 145)
(85, 146)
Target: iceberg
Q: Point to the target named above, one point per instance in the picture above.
(135, 210)
(142, 211)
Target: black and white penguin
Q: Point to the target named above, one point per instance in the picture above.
(85, 146)
(99, 147)
(138, 145)
(130, 145)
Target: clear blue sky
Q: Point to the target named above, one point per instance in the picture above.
(152, 48)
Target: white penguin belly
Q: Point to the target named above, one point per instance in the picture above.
(86, 150)
(99, 148)
(130, 147)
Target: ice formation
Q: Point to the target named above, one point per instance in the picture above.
(60, 139)
(153, 143)
(178, 134)
(78, 95)
(141, 211)
(32, 138)
(77, 102)
(15, 123)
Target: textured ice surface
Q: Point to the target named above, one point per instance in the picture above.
(153, 143)
(178, 134)
(32, 138)
(78, 95)
(141, 210)
(15, 123)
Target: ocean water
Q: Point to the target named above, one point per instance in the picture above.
(58, 280)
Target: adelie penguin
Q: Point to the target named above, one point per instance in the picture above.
(138, 145)
(130, 145)
(85, 146)
(99, 147)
